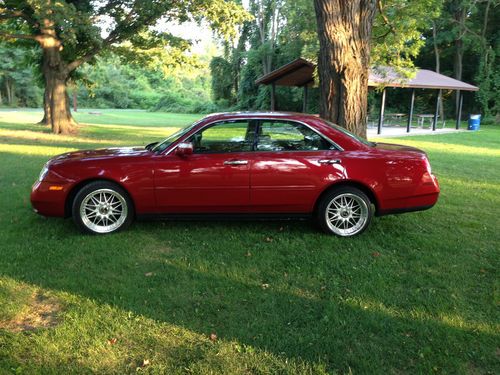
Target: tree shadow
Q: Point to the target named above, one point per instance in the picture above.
(226, 293)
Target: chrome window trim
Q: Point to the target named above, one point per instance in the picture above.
(260, 118)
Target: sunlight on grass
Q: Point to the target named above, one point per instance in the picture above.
(100, 338)
(33, 136)
(445, 147)
(143, 129)
(418, 314)
(34, 150)
(21, 116)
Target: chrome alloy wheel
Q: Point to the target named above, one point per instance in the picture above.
(346, 214)
(103, 210)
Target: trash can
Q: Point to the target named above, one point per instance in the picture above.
(474, 122)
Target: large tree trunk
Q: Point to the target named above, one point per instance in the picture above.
(57, 111)
(344, 30)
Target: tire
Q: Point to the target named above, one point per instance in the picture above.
(102, 207)
(344, 212)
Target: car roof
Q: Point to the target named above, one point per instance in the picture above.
(252, 114)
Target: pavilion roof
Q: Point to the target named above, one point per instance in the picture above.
(300, 73)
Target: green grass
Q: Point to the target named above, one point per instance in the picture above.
(416, 293)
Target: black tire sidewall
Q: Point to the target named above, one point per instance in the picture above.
(96, 185)
(327, 198)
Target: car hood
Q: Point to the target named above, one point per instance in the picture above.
(398, 148)
(102, 153)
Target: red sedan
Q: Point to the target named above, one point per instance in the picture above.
(251, 164)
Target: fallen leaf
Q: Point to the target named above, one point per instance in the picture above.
(112, 341)
(375, 254)
(213, 337)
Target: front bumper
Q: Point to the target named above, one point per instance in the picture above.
(48, 199)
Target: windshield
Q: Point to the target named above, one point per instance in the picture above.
(173, 138)
(354, 136)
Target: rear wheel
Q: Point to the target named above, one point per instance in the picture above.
(102, 207)
(345, 212)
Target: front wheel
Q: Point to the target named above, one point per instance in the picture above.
(102, 207)
(345, 212)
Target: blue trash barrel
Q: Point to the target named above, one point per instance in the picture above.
(474, 122)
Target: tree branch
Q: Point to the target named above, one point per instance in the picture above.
(19, 36)
(388, 23)
(9, 15)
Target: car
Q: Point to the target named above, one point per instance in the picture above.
(247, 164)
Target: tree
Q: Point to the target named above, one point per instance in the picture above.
(344, 30)
(70, 33)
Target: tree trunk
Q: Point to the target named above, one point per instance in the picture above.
(437, 55)
(46, 107)
(459, 50)
(344, 30)
(57, 111)
(8, 91)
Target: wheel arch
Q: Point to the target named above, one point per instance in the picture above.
(349, 183)
(77, 187)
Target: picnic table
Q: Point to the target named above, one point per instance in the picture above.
(422, 117)
(396, 117)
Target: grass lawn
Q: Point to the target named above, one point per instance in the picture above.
(416, 293)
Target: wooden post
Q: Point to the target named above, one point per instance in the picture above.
(410, 114)
(459, 112)
(273, 97)
(304, 103)
(436, 113)
(381, 115)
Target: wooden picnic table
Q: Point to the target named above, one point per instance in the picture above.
(421, 119)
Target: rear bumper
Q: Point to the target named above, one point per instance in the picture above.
(49, 202)
(425, 197)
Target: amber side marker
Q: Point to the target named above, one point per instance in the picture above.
(55, 188)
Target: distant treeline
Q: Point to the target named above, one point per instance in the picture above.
(461, 38)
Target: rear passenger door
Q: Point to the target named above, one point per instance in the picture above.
(291, 165)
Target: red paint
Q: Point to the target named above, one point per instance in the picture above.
(398, 177)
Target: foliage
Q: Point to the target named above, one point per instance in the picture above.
(18, 77)
(222, 81)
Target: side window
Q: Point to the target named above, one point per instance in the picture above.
(228, 136)
(289, 136)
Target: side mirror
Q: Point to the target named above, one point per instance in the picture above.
(184, 149)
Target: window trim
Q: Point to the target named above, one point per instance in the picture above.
(257, 118)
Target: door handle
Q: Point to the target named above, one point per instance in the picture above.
(329, 161)
(236, 162)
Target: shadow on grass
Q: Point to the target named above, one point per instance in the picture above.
(226, 292)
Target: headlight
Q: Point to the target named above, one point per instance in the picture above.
(43, 173)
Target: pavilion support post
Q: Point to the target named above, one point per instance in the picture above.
(304, 103)
(273, 97)
(410, 114)
(436, 113)
(381, 115)
(459, 112)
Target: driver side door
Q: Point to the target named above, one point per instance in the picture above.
(215, 178)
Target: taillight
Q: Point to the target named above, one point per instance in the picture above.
(428, 167)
